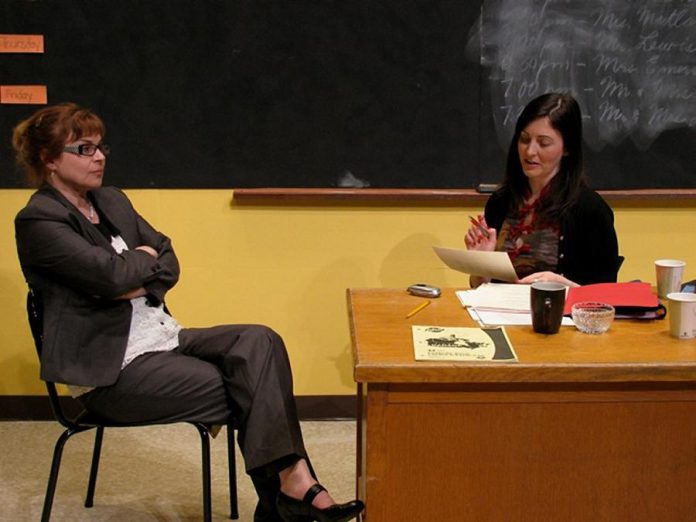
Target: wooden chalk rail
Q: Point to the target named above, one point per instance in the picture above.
(459, 196)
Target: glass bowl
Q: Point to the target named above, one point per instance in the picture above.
(591, 317)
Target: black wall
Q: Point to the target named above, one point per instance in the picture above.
(380, 93)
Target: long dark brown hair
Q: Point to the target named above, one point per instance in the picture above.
(564, 188)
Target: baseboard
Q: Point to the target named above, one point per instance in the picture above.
(309, 407)
(317, 407)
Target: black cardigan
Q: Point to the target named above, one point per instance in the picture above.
(588, 251)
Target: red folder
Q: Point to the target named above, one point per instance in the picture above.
(635, 300)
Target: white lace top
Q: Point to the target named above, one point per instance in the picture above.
(151, 329)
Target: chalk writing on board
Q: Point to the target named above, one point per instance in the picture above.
(632, 66)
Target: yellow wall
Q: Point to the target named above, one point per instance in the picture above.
(288, 266)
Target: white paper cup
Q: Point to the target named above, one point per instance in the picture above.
(682, 315)
(669, 273)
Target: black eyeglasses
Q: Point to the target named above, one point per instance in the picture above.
(87, 149)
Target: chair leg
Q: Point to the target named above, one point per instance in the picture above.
(92, 484)
(205, 455)
(53, 475)
(232, 470)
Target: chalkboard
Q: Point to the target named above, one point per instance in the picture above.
(347, 93)
(631, 65)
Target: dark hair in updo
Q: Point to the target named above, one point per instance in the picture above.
(40, 138)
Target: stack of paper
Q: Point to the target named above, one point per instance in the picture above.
(500, 304)
(500, 297)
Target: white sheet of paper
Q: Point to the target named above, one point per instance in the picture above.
(496, 265)
(490, 318)
(500, 304)
(498, 297)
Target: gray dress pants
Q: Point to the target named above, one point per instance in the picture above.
(239, 369)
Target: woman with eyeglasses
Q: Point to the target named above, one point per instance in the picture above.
(103, 272)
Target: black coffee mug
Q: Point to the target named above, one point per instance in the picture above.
(547, 302)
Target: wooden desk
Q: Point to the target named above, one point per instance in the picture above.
(582, 428)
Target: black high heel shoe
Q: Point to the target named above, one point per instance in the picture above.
(292, 510)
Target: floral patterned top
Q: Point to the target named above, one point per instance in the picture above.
(531, 242)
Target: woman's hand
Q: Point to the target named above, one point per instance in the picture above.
(546, 277)
(148, 250)
(481, 236)
(132, 294)
(476, 281)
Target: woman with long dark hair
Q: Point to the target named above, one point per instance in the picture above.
(553, 226)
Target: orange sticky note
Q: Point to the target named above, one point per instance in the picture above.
(24, 94)
(21, 43)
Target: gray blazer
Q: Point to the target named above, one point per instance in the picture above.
(79, 275)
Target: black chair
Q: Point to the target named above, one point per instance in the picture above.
(619, 262)
(86, 421)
